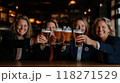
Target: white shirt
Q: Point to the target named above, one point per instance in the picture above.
(79, 53)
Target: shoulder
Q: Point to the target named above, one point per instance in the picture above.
(113, 38)
(9, 35)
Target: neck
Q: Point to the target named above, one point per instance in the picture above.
(19, 37)
(104, 38)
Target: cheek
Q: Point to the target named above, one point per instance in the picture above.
(96, 30)
(84, 29)
(26, 28)
(76, 27)
(18, 27)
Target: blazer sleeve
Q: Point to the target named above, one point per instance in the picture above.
(112, 48)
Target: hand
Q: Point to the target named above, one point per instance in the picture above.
(52, 38)
(85, 39)
(39, 39)
(63, 38)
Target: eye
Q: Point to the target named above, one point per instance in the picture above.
(97, 27)
(103, 26)
(48, 28)
(77, 25)
(82, 25)
(25, 25)
(18, 24)
(53, 27)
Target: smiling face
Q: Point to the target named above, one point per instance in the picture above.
(50, 26)
(102, 30)
(80, 25)
(22, 27)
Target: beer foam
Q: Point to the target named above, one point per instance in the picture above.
(67, 31)
(77, 31)
(45, 31)
(58, 29)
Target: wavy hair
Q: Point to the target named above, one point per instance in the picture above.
(29, 33)
(84, 19)
(107, 21)
(50, 20)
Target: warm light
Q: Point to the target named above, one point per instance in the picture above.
(72, 2)
(16, 7)
(89, 10)
(12, 15)
(100, 4)
(43, 21)
(32, 20)
(10, 11)
(1, 9)
(85, 12)
(38, 22)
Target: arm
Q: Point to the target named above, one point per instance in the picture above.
(112, 48)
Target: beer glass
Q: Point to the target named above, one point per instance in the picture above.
(77, 33)
(67, 33)
(46, 33)
(58, 35)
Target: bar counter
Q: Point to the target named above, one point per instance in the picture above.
(54, 64)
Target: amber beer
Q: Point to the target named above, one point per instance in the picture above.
(58, 35)
(67, 34)
(77, 33)
(46, 33)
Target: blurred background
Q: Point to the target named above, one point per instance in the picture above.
(62, 11)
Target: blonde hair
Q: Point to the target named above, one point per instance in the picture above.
(107, 21)
(29, 33)
(50, 20)
(85, 22)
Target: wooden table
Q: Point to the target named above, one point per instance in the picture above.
(54, 64)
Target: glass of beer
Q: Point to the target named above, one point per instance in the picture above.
(76, 33)
(46, 33)
(58, 35)
(67, 33)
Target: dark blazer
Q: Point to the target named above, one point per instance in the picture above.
(44, 55)
(110, 50)
(71, 52)
(9, 45)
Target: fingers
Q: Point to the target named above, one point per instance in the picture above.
(81, 39)
(52, 39)
(41, 39)
(63, 38)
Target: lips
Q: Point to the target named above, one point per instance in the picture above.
(22, 31)
(100, 32)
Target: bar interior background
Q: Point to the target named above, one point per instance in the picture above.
(63, 11)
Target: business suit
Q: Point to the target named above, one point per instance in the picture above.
(71, 52)
(44, 54)
(9, 45)
(110, 50)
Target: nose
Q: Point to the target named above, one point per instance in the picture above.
(80, 27)
(22, 26)
(100, 29)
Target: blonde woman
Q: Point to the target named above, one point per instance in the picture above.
(15, 44)
(108, 47)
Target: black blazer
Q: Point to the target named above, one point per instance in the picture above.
(44, 55)
(9, 45)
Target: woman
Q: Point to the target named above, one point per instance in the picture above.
(47, 53)
(83, 52)
(108, 45)
(15, 44)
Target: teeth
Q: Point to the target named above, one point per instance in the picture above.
(21, 30)
(100, 32)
